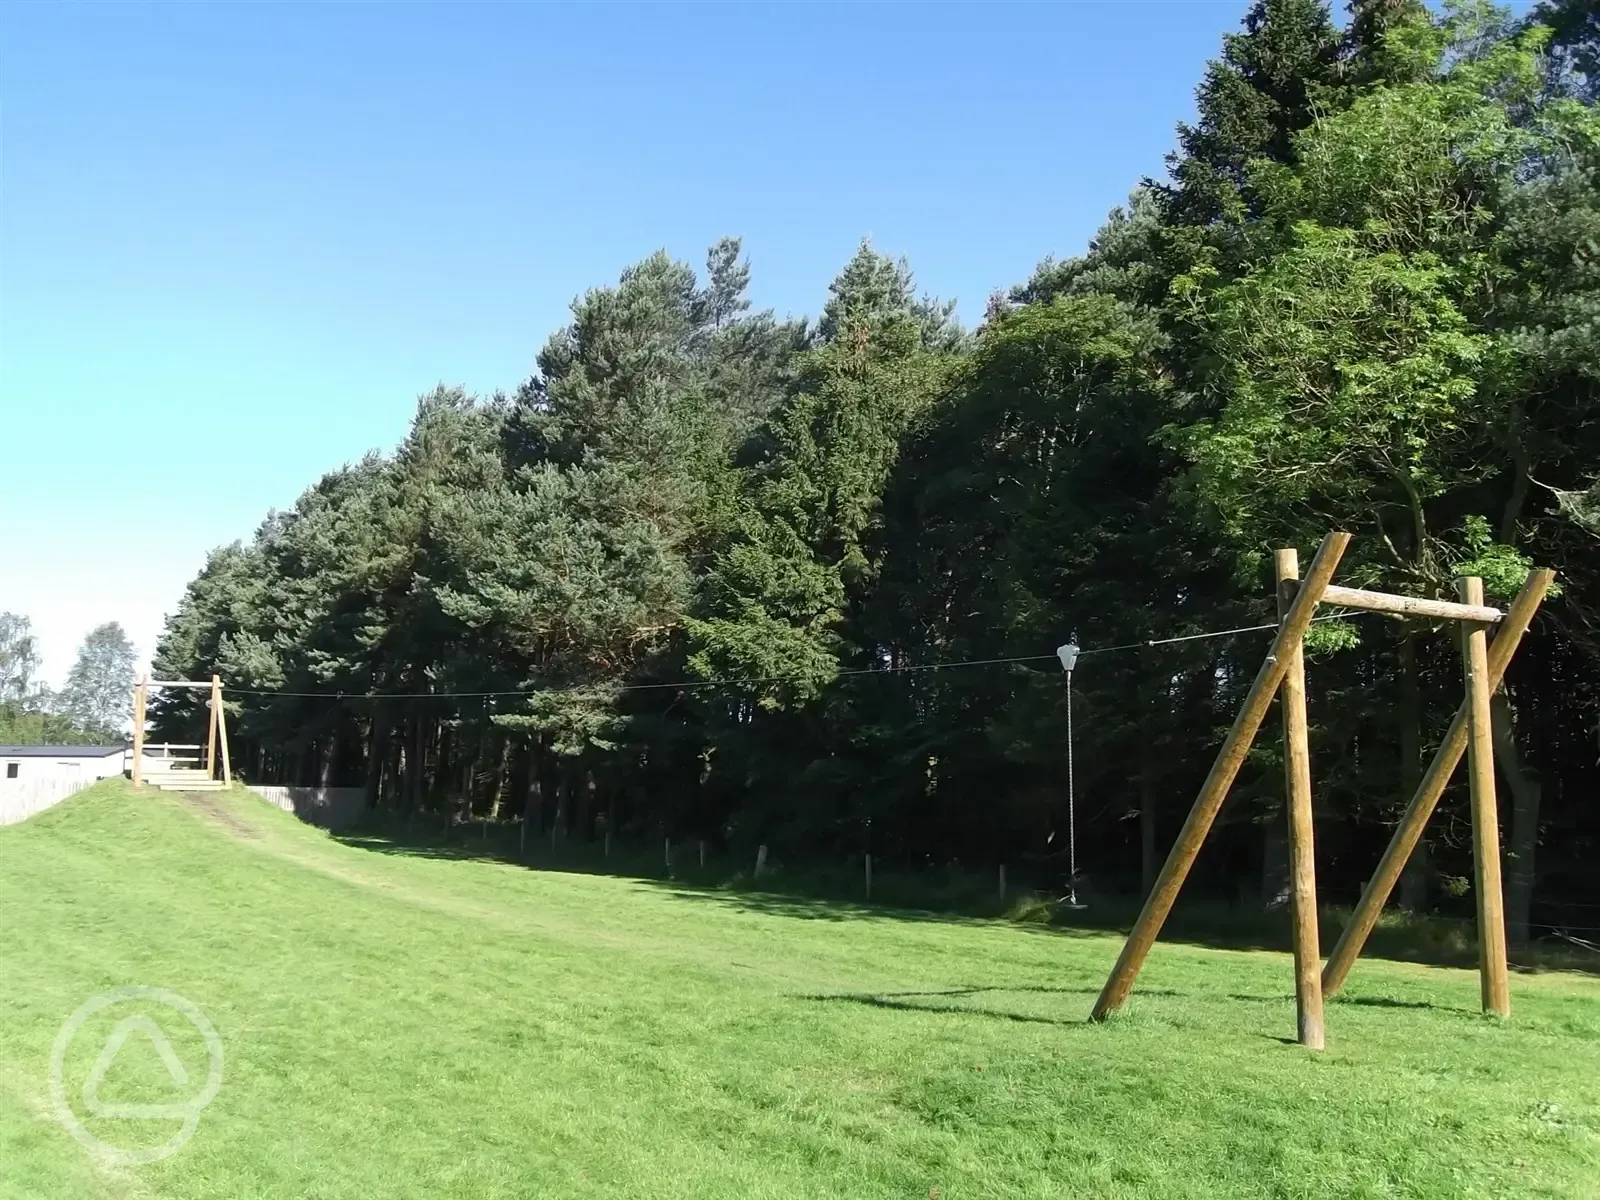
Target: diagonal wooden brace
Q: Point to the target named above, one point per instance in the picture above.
(1159, 904)
(1409, 832)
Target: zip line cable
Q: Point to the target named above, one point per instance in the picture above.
(682, 684)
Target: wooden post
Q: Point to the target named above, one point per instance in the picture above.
(211, 731)
(702, 852)
(138, 731)
(608, 842)
(1375, 893)
(761, 860)
(1002, 883)
(1492, 977)
(1215, 789)
(869, 876)
(1297, 791)
(667, 854)
(221, 722)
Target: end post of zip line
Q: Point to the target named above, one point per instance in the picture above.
(1297, 788)
(1068, 655)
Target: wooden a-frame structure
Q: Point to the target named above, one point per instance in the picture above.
(1484, 665)
(216, 733)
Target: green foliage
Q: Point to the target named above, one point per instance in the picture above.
(99, 689)
(19, 656)
(695, 576)
(1347, 375)
(29, 724)
(1266, 85)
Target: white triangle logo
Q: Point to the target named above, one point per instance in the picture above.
(108, 1055)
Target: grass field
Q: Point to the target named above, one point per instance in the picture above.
(396, 1025)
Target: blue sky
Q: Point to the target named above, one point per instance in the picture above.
(236, 242)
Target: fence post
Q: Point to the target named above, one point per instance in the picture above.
(761, 860)
(869, 876)
(1002, 883)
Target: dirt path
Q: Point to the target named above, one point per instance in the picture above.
(205, 803)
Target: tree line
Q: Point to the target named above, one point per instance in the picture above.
(710, 573)
(92, 707)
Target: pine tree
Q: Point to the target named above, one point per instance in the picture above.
(1263, 89)
(1368, 56)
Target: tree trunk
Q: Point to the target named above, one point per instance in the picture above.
(502, 768)
(1148, 864)
(533, 799)
(558, 826)
(390, 790)
(1416, 881)
(586, 807)
(464, 787)
(1526, 794)
(329, 749)
(374, 781)
(1275, 888)
(419, 737)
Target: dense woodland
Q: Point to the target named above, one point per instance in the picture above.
(707, 573)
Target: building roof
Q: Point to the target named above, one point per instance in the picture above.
(60, 751)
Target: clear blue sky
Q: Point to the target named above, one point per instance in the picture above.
(236, 242)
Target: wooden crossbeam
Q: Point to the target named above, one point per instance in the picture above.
(1410, 606)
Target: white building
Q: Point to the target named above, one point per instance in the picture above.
(28, 764)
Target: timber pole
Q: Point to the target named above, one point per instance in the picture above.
(1415, 818)
(1215, 789)
(1302, 848)
(211, 729)
(137, 774)
(1492, 971)
(222, 730)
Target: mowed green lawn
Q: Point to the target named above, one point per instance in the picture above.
(401, 1026)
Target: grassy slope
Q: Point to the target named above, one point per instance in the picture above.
(408, 1027)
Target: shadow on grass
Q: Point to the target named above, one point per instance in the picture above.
(940, 897)
(1391, 1002)
(1355, 1002)
(916, 1001)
